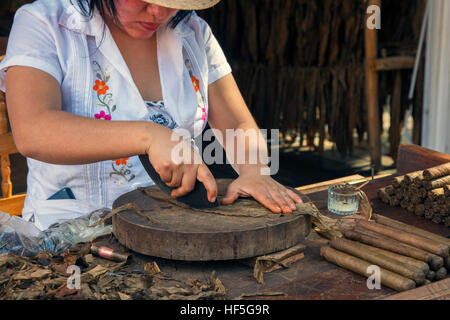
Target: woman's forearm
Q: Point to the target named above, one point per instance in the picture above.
(248, 149)
(44, 132)
(245, 146)
(60, 137)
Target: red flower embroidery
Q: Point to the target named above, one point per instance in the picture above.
(121, 161)
(100, 87)
(196, 83)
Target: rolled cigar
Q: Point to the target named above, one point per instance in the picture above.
(435, 207)
(444, 210)
(108, 253)
(355, 249)
(447, 190)
(437, 218)
(406, 197)
(437, 183)
(397, 181)
(389, 244)
(382, 194)
(411, 207)
(441, 274)
(421, 265)
(404, 203)
(429, 213)
(437, 172)
(411, 229)
(422, 193)
(436, 194)
(408, 238)
(447, 222)
(394, 202)
(430, 275)
(404, 184)
(388, 278)
(390, 190)
(409, 177)
(420, 210)
(418, 181)
(415, 200)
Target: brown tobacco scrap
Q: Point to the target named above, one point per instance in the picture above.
(152, 268)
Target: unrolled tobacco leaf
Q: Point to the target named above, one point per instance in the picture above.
(94, 274)
(36, 274)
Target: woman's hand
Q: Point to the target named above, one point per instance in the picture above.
(264, 189)
(179, 170)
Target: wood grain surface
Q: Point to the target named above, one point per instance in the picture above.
(242, 230)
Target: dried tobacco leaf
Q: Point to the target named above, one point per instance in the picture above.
(152, 268)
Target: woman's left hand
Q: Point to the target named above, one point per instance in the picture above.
(263, 189)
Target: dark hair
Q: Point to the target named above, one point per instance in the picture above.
(103, 6)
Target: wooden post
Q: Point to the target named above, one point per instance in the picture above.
(6, 176)
(396, 115)
(373, 114)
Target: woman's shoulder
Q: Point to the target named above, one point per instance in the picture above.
(197, 26)
(196, 23)
(51, 10)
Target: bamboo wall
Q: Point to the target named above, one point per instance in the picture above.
(300, 63)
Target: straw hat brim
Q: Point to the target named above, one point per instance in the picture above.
(185, 4)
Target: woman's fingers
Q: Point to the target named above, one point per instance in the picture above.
(177, 176)
(206, 177)
(231, 196)
(294, 196)
(165, 173)
(281, 200)
(265, 198)
(187, 184)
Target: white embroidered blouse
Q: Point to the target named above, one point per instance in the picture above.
(80, 53)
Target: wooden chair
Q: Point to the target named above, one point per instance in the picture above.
(9, 203)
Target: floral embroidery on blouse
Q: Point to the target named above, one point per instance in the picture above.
(104, 99)
(122, 170)
(196, 84)
(120, 167)
(158, 114)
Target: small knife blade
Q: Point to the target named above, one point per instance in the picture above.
(197, 198)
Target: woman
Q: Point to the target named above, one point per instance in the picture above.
(88, 81)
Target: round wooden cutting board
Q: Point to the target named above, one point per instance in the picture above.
(169, 230)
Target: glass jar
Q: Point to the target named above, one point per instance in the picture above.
(343, 199)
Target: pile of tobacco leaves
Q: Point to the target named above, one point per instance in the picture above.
(48, 276)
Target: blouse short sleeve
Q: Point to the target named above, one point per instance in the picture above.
(31, 43)
(218, 65)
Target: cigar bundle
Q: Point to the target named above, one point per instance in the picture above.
(405, 255)
(425, 193)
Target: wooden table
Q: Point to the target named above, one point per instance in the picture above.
(313, 277)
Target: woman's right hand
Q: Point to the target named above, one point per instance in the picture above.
(178, 164)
